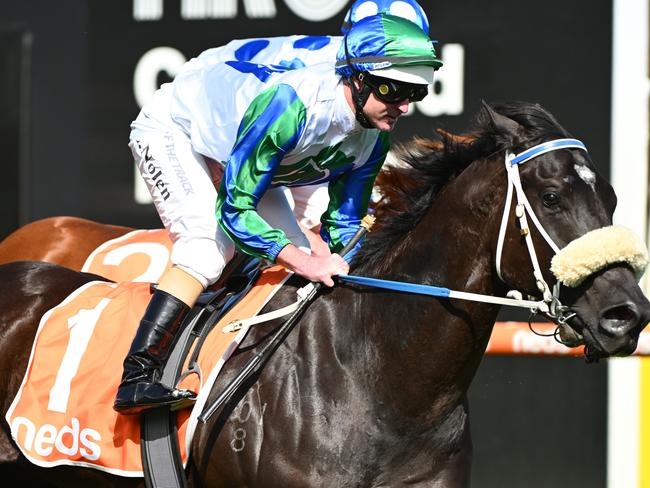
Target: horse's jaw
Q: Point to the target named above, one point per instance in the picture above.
(611, 311)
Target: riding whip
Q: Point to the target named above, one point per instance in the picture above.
(260, 358)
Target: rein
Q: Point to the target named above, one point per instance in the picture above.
(436, 291)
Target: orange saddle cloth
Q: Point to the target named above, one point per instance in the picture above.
(62, 413)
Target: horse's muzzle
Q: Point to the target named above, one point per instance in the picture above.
(616, 332)
(610, 312)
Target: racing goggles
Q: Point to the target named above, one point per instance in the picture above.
(393, 91)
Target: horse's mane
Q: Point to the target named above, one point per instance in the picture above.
(423, 167)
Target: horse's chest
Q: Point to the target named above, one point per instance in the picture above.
(313, 442)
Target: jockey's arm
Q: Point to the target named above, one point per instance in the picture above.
(263, 139)
(349, 198)
(314, 268)
(248, 175)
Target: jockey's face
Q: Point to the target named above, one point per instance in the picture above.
(389, 99)
(384, 115)
(380, 113)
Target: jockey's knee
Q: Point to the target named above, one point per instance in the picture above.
(204, 259)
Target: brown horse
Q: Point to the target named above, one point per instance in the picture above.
(66, 241)
(370, 389)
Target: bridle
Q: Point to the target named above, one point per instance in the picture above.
(549, 305)
(556, 312)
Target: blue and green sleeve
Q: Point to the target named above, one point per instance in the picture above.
(270, 128)
(349, 197)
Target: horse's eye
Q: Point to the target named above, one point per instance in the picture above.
(550, 199)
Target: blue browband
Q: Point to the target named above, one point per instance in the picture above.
(549, 146)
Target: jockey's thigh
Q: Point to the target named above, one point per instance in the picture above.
(275, 209)
(185, 197)
(310, 202)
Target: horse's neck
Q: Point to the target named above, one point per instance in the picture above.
(429, 348)
(453, 244)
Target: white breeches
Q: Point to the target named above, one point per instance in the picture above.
(182, 191)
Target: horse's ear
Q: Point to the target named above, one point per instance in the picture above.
(502, 124)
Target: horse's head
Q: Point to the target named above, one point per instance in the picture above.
(561, 194)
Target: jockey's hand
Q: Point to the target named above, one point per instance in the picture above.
(314, 268)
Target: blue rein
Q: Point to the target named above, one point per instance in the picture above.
(434, 291)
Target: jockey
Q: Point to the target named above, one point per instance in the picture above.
(298, 51)
(270, 128)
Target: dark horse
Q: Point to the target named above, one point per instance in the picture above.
(370, 388)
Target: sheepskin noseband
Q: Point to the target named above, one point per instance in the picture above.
(596, 250)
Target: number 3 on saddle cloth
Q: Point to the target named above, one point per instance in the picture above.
(63, 412)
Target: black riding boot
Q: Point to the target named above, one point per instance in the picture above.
(140, 388)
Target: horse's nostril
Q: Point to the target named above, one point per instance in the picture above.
(622, 313)
(619, 320)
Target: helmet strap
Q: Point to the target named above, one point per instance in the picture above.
(359, 96)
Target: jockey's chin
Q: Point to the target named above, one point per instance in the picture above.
(384, 115)
(386, 123)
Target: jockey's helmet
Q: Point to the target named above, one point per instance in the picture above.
(390, 47)
(408, 9)
(388, 56)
